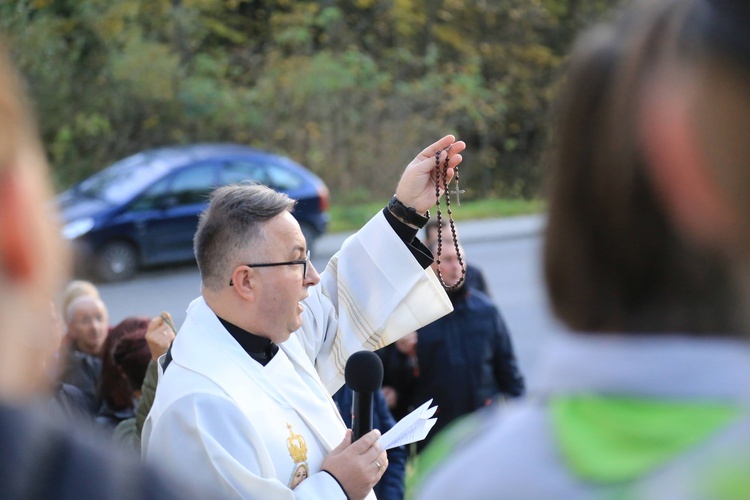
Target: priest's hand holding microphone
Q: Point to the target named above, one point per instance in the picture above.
(359, 461)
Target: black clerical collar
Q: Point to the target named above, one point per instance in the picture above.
(260, 349)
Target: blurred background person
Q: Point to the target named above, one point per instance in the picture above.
(645, 237)
(465, 359)
(67, 401)
(87, 327)
(125, 357)
(400, 371)
(159, 337)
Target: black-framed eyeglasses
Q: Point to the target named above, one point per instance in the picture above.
(302, 262)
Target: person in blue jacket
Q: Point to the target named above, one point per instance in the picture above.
(464, 361)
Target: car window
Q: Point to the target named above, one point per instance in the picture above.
(153, 198)
(194, 184)
(282, 179)
(186, 187)
(242, 170)
(272, 175)
(122, 180)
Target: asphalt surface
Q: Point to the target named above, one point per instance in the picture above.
(471, 231)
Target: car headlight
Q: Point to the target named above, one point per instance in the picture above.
(78, 227)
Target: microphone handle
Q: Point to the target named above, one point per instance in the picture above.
(361, 413)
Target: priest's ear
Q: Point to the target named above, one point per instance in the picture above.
(679, 167)
(244, 282)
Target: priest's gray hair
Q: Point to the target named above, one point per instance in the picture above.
(232, 228)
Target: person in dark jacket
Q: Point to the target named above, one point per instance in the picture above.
(400, 372)
(64, 402)
(69, 403)
(391, 486)
(465, 359)
(87, 324)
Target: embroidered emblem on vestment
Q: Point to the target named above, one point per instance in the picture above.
(297, 447)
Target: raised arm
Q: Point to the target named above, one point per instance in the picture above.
(374, 290)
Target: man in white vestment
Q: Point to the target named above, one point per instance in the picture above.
(244, 401)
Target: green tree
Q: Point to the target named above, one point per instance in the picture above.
(348, 88)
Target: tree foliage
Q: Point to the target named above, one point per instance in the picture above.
(348, 88)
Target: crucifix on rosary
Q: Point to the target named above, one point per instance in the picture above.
(441, 176)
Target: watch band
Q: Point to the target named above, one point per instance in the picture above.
(407, 214)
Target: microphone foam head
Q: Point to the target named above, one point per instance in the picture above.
(364, 372)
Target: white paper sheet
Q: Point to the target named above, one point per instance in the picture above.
(412, 428)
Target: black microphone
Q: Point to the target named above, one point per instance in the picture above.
(363, 375)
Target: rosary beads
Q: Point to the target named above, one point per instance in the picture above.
(443, 172)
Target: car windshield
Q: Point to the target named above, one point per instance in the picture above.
(121, 181)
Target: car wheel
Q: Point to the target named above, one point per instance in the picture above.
(116, 261)
(310, 234)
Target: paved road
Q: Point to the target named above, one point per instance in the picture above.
(507, 250)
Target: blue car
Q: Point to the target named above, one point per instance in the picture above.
(143, 210)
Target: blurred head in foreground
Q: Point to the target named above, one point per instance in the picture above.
(645, 258)
(648, 216)
(33, 259)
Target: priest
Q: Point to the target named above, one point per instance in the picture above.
(244, 401)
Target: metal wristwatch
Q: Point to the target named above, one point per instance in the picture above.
(407, 214)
